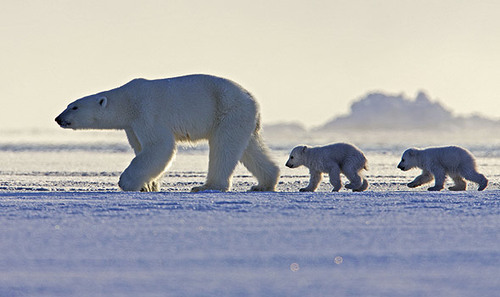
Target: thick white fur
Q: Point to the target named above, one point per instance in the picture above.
(155, 114)
(438, 162)
(332, 159)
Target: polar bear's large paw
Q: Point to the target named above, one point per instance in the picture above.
(151, 187)
(260, 188)
(128, 185)
(128, 182)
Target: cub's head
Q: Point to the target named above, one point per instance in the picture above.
(408, 160)
(86, 113)
(296, 158)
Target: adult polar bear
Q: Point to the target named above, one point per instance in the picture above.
(157, 113)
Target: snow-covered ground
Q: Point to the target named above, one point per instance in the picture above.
(66, 230)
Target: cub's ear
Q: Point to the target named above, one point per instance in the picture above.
(412, 152)
(103, 101)
(304, 149)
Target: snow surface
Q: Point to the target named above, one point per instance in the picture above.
(66, 230)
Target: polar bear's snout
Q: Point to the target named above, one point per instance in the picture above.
(401, 167)
(289, 165)
(62, 122)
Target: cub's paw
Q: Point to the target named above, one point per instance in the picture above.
(412, 185)
(457, 188)
(435, 188)
(306, 190)
(363, 186)
(483, 185)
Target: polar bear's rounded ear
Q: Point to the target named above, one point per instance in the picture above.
(304, 149)
(412, 152)
(103, 101)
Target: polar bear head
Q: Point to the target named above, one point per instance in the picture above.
(90, 112)
(409, 159)
(296, 157)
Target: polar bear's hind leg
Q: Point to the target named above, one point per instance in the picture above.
(356, 181)
(476, 177)
(363, 187)
(257, 160)
(227, 143)
(460, 184)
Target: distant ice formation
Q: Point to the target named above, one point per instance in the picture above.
(379, 111)
(380, 119)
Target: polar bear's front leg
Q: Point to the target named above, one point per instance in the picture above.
(423, 178)
(313, 181)
(439, 178)
(148, 165)
(334, 175)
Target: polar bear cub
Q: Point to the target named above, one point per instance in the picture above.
(332, 159)
(437, 162)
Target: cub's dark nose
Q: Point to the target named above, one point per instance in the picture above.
(400, 167)
(288, 165)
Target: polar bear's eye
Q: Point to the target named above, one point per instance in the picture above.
(75, 108)
(291, 157)
(402, 160)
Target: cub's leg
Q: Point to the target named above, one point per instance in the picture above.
(423, 178)
(476, 177)
(439, 178)
(334, 176)
(460, 184)
(363, 187)
(352, 174)
(313, 181)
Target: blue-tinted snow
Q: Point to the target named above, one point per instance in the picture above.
(66, 229)
(250, 244)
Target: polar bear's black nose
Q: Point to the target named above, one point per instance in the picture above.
(59, 120)
(401, 167)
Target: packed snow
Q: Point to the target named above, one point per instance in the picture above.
(67, 230)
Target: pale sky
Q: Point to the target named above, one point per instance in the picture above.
(304, 61)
